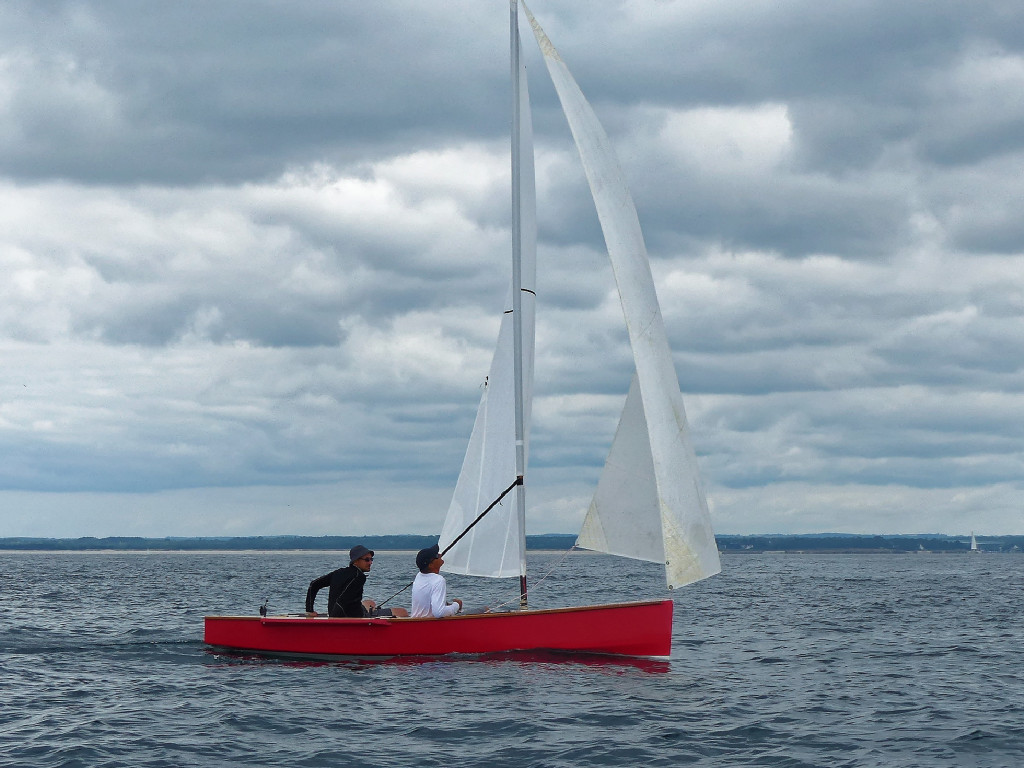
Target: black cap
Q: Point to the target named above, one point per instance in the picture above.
(358, 551)
(426, 556)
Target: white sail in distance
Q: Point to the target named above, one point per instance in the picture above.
(669, 489)
(492, 547)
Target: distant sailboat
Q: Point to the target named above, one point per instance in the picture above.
(648, 504)
(974, 543)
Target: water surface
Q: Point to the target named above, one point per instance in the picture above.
(782, 660)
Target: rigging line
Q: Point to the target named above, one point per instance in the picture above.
(379, 605)
(493, 504)
(558, 563)
(518, 481)
(542, 578)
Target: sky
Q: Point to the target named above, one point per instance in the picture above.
(254, 255)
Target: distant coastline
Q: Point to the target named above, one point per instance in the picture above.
(738, 544)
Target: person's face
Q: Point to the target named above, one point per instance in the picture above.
(363, 563)
(435, 565)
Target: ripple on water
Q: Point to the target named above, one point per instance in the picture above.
(779, 661)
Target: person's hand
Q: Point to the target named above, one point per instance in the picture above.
(370, 604)
(456, 600)
(311, 614)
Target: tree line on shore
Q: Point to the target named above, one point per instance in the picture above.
(551, 541)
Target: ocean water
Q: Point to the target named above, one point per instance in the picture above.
(782, 660)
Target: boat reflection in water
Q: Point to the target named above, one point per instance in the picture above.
(598, 661)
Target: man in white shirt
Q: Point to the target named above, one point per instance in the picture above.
(429, 591)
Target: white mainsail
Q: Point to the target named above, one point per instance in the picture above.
(492, 547)
(661, 483)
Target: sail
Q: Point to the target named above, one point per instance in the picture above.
(492, 547)
(689, 549)
(625, 517)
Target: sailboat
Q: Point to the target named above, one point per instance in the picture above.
(974, 543)
(649, 504)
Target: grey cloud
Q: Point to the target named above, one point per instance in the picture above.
(258, 246)
(795, 216)
(194, 92)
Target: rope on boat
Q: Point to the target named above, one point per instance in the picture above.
(493, 504)
(542, 578)
(506, 492)
(379, 605)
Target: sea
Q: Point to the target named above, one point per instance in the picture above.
(781, 660)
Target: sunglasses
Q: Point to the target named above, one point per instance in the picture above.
(367, 559)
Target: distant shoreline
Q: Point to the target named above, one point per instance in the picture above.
(827, 543)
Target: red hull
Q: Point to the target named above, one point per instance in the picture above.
(629, 629)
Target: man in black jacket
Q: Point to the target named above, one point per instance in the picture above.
(345, 593)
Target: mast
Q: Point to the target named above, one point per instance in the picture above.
(492, 542)
(517, 291)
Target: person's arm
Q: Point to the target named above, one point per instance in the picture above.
(315, 586)
(439, 599)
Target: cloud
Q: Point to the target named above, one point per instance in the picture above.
(254, 256)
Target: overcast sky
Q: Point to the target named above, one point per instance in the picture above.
(254, 255)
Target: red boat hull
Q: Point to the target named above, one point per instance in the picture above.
(628, 629)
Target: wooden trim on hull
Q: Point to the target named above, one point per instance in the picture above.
(628, 629)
